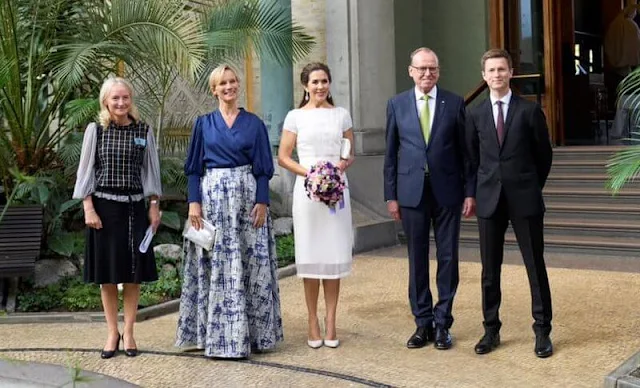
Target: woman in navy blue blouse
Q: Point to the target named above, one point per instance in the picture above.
(230, 303)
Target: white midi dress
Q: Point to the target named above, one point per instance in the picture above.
(323, 239)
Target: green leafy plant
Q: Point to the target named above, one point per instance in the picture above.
(624, 166)
(285, 250)
(51, 51)
(167, 287)
(80, 296)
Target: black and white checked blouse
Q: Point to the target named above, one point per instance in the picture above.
(119, 158)
(118, 162)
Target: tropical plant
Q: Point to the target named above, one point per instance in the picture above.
(54, 55)
(624, 166)
(54, 50)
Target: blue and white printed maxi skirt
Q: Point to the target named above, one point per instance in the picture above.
(230, 301)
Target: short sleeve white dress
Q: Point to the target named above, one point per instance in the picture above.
(323, 239)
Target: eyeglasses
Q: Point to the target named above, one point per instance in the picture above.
(422, 70)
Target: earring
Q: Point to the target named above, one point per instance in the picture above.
(329, 95)
(306, 95)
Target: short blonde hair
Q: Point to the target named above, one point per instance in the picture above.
(216, 76)
(105, 116)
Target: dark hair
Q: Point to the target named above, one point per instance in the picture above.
(496, 53)
(304, 79)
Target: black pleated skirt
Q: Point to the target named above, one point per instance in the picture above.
(111, 253)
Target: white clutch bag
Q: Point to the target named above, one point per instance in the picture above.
(204, 238)
(345, 149)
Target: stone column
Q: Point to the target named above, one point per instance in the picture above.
(361, 55)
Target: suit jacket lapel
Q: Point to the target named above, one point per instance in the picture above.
(414, 117)
(491, 123)
(439, 109)
(511, 111)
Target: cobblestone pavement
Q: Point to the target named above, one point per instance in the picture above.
(596, 328)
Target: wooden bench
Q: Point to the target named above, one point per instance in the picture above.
(20, 239)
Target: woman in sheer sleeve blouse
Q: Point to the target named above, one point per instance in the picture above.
(118, 169)
(230, 302)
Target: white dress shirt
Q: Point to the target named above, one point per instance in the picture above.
(432, 103)
(505, 107)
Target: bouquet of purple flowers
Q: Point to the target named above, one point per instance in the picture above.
(325, 183)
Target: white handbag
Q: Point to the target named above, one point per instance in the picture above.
(204, 237)
(345, 149)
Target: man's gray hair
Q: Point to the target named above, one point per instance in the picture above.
(426, 50)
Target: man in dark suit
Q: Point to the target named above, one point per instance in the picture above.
(508, 142)
(426, 183)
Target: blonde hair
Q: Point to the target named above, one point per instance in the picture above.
(216, 76)
(105, 116)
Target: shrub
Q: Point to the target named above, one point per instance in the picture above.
(285, 250)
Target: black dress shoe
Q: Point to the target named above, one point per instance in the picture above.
(131, 352)
(105, 354)
(544, 347)
(421, 337)
(443, 339)
(488, 342)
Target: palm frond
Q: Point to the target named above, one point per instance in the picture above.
(623, 167)
(172, 174)
(163, 29)
(264, 26)
(72, 61)
(80, 111)
(629, 96)
(69, 153)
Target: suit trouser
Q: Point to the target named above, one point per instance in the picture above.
(529, 234)
(416, 223)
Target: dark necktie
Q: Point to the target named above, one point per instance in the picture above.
(500, 123)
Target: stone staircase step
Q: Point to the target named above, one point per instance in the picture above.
(579, 167)
(587, 180)
(594, 153)
(370, 230)
(578, 227)
(604, 246)
(588, 195)
(595, 211)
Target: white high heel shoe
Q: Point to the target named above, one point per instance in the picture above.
(330, 343)
(315, 344)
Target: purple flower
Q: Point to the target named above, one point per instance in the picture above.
(325, 183)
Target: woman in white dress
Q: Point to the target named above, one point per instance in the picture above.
(323, 238)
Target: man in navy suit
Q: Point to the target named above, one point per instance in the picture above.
(428, 181)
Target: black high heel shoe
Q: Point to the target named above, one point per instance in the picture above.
(132, 352)
(105, 354)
